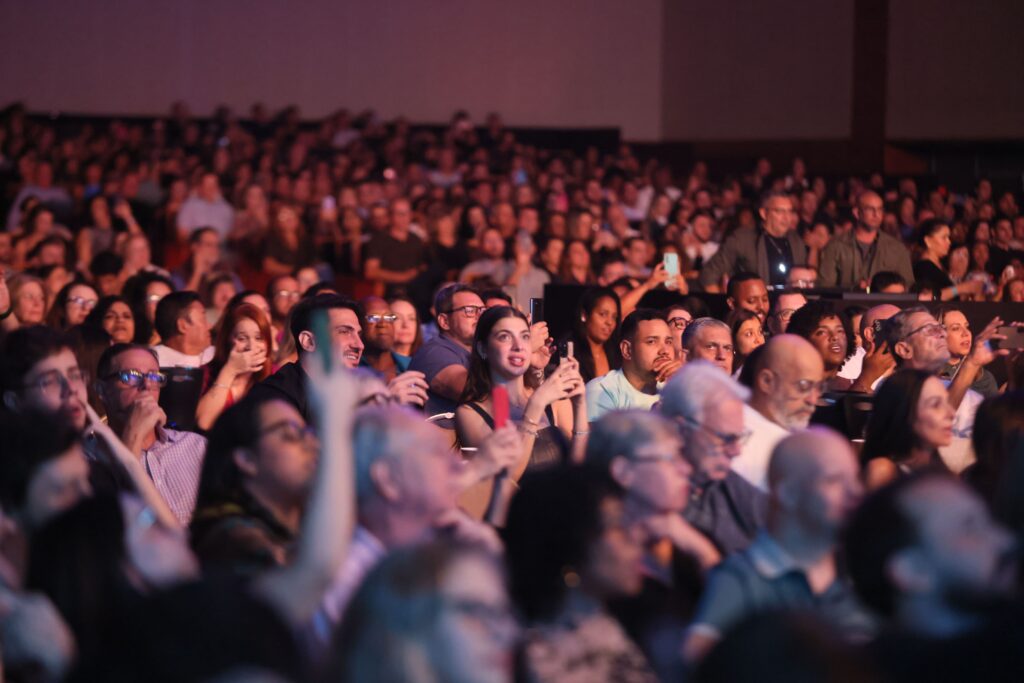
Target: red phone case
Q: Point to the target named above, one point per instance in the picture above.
(499, 396)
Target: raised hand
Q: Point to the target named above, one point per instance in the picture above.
(409, 388)
(665, 367)
(502, 449)
(982, 352)
(143, 418)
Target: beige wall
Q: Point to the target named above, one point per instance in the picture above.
(956, 69)
(755, 70)
(539, 62)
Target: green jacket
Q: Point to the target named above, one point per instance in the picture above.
(842, 264)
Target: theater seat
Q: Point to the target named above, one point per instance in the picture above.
(180, 396)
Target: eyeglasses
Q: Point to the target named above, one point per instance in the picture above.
(469, 311)
(728, 440)
(929, 330)
(806, 386)
(785, 313)
(670, 458)
(288, 294)
(52, 382)
(375, 318)
(291, 431)
(154, 298)
(803, 283)
(679, 322)
(136, 378)
(87, 304)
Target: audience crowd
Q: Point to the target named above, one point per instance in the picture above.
(279, 402)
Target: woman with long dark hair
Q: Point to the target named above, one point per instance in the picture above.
(548, 416)
(911, 419)
(595, 335)
(71, 306)
(113, 314)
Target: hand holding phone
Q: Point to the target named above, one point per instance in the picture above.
(671, 261)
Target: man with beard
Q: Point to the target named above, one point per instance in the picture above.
(925, 554)
(788, 381)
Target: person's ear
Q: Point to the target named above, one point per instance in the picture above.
(384, 481)
(765, 381)
(181, 324)
(909, 571)
(762, 213)
(622, 471)
(11, 401)
(443, 322)
(245, 461)
(307, 341)
(903, 350)
(731, 302)
(626, 349)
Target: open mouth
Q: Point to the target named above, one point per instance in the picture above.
(516, 361)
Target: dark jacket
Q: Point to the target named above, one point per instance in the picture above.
(745, 251)
(843, 266)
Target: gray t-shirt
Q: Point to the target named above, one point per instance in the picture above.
(433, 357)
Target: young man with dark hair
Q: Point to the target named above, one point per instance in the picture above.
(344, 327)
(184, 332)
(39, 373)
(748, 292)
(648, 357)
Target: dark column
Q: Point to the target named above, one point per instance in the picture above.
(870, 57)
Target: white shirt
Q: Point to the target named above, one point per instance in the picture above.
(960, 453)
(752, 462)
(169, 358)
(614, 392)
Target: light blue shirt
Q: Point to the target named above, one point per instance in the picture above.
(614, 392)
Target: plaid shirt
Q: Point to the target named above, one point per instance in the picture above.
(174, 462)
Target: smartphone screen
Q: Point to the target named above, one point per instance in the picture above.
(671, 261)
(1014, 337)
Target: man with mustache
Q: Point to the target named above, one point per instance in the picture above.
(648, 358)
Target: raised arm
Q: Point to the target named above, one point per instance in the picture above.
(296, 590)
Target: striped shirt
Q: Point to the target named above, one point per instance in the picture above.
(174, 462)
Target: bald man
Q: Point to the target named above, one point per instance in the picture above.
(787, 385)
(814, 486)
(874, 359)
(850, 261)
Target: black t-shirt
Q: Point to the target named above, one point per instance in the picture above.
(395, 254)
(780, 259)
(927, 275)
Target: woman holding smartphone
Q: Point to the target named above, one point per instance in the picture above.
(548, 416)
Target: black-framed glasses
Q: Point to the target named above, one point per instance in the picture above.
(136, 379)
(679, 322)
(725, 438)
(288, 294)
(54, 381)
(290, 430)
(375, 318)
(934, 329)
(469, 311)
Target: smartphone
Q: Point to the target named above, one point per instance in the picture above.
(566, 351)
(536, 311)
(671, 261)
(1014, 337)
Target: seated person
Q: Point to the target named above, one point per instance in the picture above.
(828, 329)
(708, 407)
(648, 359)
(548, 416)
(184, 332)
(791, 565)
(709, 339)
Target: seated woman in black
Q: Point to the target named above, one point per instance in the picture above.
(933, 243)
(548, 415)
(911, 419)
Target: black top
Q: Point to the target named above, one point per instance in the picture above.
(927, 275)
(287, 384)
(548, 447)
